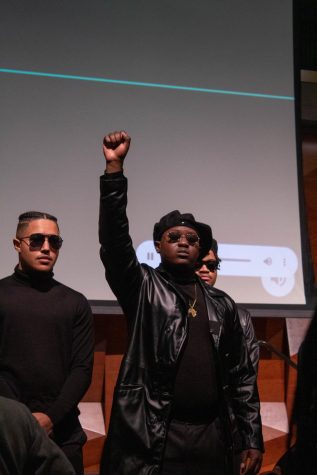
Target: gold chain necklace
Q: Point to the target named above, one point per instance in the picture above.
(192, 312)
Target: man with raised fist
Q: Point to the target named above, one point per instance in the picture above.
(186, 400)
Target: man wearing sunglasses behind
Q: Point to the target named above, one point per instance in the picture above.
(186, 401)
(46, 336)
(206, 269)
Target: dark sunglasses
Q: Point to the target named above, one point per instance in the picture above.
(37, 240)
(212, 266)
(175, 236)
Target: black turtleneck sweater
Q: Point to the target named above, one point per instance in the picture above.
(46, 343)
(196, 387)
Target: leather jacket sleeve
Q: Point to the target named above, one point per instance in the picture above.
(250, 338)
(244, 392)
(237, 374)
(123, 271)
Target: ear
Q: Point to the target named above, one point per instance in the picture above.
(17, 244)
(157, 245)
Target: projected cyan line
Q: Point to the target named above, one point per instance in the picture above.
(145, 84)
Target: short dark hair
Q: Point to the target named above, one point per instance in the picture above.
(25, 218)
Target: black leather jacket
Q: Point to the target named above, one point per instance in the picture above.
(157, 326)
(250, 338)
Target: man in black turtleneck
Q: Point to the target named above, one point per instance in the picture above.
(186, 400)
(46, 336)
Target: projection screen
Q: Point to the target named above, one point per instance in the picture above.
(206, 91)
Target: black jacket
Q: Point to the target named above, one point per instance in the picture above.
(249, 335)
(157, 325)
(25, 447)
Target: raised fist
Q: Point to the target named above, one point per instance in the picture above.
(116, 146)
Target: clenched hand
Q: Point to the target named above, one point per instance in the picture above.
(115, 147)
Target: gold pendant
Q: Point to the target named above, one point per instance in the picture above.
(192, 312)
